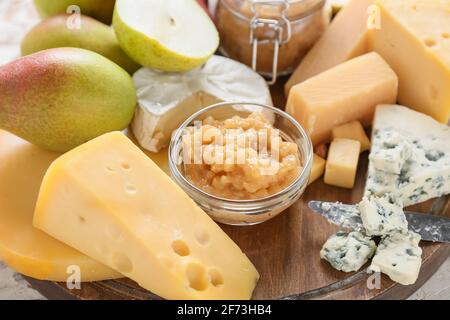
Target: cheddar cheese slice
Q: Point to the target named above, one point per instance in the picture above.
(107, 199)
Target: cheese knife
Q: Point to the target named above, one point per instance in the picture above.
(430, 227)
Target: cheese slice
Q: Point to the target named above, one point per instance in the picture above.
(345, 38)
(166, 100)
(426, 173)
(347, 92)
(25, 249)
(108, 200)
(414, 39)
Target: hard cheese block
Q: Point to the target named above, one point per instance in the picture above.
(28, 250)
(426, 174)
(348, 92)
(346, 38)
(108, 200)
(342, 163)
(317, 169)
(167, 99)
(352, 130)
(414, 38)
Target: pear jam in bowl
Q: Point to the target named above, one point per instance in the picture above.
(242, 163)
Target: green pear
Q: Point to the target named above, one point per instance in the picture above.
(169, 35)
(101, 10)
(60, 98)
(88, 34)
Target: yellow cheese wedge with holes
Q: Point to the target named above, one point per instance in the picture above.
(107, 199)
(414, 38)
(25, 249)
(28, 250)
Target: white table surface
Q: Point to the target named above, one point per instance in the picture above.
(16, 17)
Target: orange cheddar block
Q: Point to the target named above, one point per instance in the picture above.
(346, 38)
(347, 92)
(342, 163)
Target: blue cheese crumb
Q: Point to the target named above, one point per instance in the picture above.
(348, 252)
(381, 216)
(400, 257)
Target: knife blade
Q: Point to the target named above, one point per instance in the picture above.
(430, 227)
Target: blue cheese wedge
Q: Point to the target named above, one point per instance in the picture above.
(426, 173)
(381, 216)
(400, 257)
(166, 100)
(348, 252)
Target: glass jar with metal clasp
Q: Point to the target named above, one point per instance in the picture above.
(272, 36)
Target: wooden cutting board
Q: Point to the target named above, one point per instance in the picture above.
(285, 250)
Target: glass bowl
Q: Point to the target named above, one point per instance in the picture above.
(244, 212)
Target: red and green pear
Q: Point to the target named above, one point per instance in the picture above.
(60, 98)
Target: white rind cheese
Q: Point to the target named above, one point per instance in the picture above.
(426, 174)
(381, 217)
(166, 100)
(400, 257)
(348, 252)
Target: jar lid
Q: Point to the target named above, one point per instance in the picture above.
(297, 9)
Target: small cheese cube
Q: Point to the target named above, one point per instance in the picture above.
(391, 157)
(414, 38)
(400, 257)
(347, 92)
(381, 217)
(342, 163)
(345, 38)
(108, 200)
(317, 169)
(348, 251)
(352, 130)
